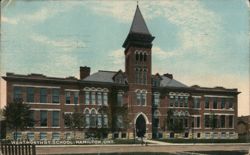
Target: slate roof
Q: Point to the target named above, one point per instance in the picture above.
(139, 24)
(101, 76)
(107, 76)
(167, 82)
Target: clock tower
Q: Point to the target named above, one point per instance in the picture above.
(138, 62)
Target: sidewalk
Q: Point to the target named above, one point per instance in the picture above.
(157, 142)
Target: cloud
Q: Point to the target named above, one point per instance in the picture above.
(195, 33)
(161, 54)
(9, 20)
(117, 57)
(49, 10)
(63, 43)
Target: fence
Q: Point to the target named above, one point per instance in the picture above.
(18, 149)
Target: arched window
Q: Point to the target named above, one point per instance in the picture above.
(140, 75)
(136, 56)
(141, 57)
(93, 118)
(87, 121)
(145, 76)
(143, 98)
(138, 97)
(145, 57)
(137, 75)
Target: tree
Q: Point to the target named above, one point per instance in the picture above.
(74, 121)
(174, 123)
(17, 116)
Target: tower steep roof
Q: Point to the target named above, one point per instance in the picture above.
(139, 24)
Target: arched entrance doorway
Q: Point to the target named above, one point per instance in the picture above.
(140, 126)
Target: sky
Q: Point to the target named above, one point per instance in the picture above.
(201, 42)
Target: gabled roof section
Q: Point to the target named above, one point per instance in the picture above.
(139, 24)
(120, 72)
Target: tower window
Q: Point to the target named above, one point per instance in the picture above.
(141, 56)
(137, 57)
(145, 57)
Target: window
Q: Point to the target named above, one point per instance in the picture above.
(230, 124)
(119, 122)
(92, 97)
(76, 94)
(67, 98)
(230, 103)
(207, 121)
(55, 118)
(119, 99)
(222, 121)
(55, 95)
(43, 118)
(137, 57)
(145, 76)
(30, 136)
(87, 98)
(140, 75)
(30, 94)
(99, 121)
(171, 101)
(176, 101)
(105, 98)
(198, 135)
(99, 98)
(215, 103)
(137, 76)
(43, 95)
(124, 135)
(105, 118)
(181, 101)
(198, 122)
(206, 103)
(17, 93)
(143, 98)
(145, 57)
(17, 135)
(55, 136)
(141, 57)
(196, 102)
(87, 118)
(93, 119)
(156, 99)
(43, 136)
(138, 98)
(223, 103)
(186, 102)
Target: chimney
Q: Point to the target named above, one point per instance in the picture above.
(170, 76)
(84, 72)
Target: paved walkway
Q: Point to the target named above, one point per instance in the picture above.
(69, 149)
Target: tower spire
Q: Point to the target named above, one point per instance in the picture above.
(139, 24)
(138, 33)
